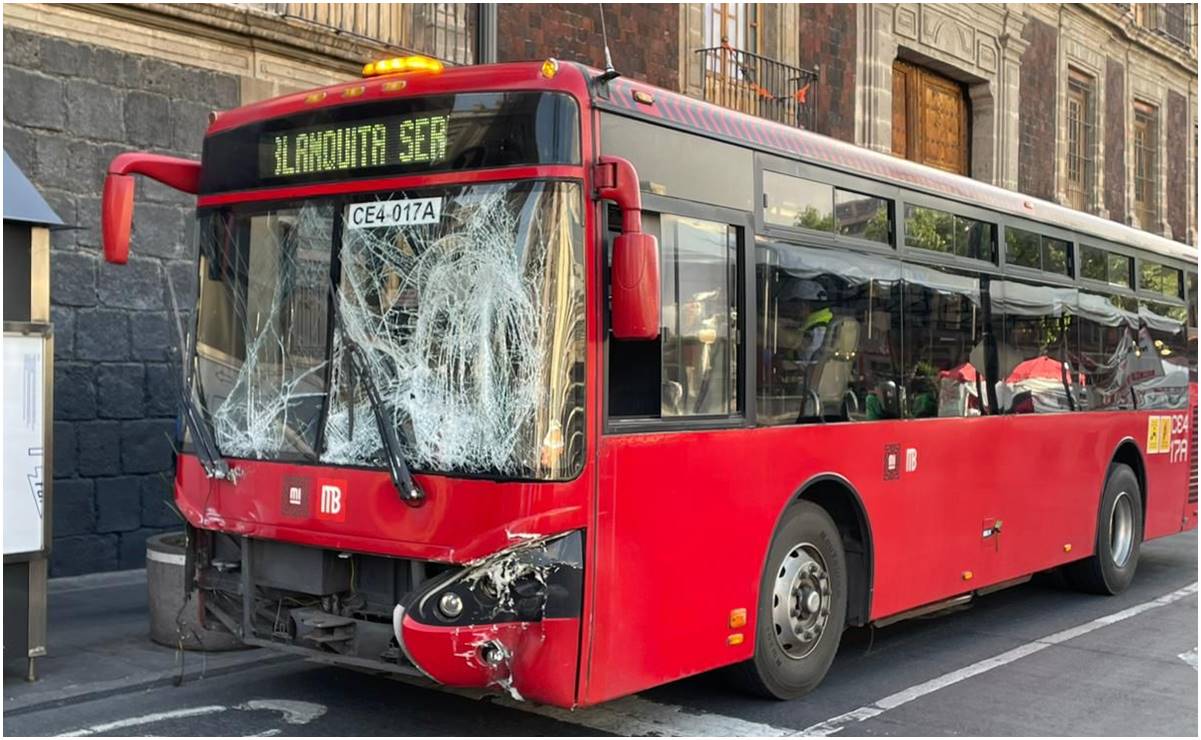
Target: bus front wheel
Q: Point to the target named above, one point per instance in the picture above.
(802, 606)
(1119, 535)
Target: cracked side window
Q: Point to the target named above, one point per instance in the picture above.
(261, 335)
(470, 319)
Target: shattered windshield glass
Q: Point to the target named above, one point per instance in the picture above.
(261, 352)
(465, 303)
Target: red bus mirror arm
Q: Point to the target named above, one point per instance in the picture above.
(634, 276)
(116, 210)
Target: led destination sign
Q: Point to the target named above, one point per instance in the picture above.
(402, 136)
(363, 145)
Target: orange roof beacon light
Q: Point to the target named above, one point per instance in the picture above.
(550, 68)
(396, 65)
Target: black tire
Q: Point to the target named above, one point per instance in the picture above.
(1109, 571)
(772, 672)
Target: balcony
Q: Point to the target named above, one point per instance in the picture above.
(757, 85)
(443, 30)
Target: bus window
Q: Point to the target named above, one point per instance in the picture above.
(941, 231)
(827, 335)
(692, 369)
(1039, 252)
(1158, 278)
(795, 202)
(1161, 374)
(700, 288)
(1108, 327)
(943, 327)
(1036, 338)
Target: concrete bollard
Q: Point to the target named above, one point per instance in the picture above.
(172, 621)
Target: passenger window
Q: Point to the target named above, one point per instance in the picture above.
(1038, 252)
(940, 231)
(943, 343)
(1035, 334)
(1158, 278)
(700, 287)
(863, 216)
(796, 202)
(1093, 263)
(1120, 267)
(691, 370)
(1108, 328)
(828, 335)
(1161, 369)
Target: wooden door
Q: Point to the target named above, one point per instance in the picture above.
(929, 118)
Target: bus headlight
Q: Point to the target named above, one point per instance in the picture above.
(450, 605)
(537, 579)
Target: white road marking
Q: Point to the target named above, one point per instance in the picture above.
(1190, 657)
(892, 701)
(294, 713)
(145, 719)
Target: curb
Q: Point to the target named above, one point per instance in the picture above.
(103, 689)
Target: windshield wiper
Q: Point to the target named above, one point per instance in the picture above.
(408, 489)
(202, 434)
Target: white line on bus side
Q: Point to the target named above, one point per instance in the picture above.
(892, 701)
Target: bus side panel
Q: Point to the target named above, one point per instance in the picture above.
(685, 518)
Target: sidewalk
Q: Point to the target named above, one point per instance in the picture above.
(99, 643)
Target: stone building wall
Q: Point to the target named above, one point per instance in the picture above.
(828, 41)
(1114, 138)
(643, 38)
(1036, 114)
(68, 109)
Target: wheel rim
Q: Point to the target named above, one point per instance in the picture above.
(1121, 529)
(801, 601)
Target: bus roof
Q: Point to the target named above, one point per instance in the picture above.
(687, 113)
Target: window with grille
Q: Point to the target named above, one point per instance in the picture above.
(1146, 165)
(1173, 20)
(444, 30)
(1081, 118)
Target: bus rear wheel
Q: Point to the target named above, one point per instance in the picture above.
(1119, 535)
(802, 606)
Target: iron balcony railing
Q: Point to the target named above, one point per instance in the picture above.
(757, 85)
(444, 30)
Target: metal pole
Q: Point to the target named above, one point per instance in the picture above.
(486, 47)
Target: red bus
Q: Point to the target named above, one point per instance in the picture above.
(530, 377)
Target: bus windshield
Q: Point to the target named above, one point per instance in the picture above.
(465, 303)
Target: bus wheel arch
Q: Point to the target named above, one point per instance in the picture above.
(842, 502)
(1128, 454)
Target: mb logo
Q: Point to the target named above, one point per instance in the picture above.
(332, 503)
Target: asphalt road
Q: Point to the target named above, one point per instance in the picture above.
(1037, 659)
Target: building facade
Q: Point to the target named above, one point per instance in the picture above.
(1092, 106)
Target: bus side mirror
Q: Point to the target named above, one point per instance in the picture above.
(634, 282)
(635, 286)
(116, 217)
(116, 205)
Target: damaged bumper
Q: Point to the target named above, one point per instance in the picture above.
(509, 621)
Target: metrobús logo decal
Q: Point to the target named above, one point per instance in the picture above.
(331, 499)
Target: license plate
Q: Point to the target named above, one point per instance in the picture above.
(386, 213)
